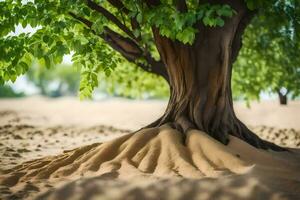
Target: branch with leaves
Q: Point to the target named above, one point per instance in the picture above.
(125, 27)
(128, 49)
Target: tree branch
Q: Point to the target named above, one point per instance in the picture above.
(111, 17)
(181, 5)
(132, 52)
(118, 4)
(81, 19)
(128, 49)
(237, 40)
(152, 2)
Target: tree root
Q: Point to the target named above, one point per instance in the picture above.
(157, 151)
(183, 125)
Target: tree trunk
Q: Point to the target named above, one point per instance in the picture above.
(282, 98)
(200, 79)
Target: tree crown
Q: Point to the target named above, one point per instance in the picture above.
(103, 34)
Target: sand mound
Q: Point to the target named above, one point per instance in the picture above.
(51, 126)
(152, 153)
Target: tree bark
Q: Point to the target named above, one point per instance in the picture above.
(128, 48)
(282, 98)
(200, 79)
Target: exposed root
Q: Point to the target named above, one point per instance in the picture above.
(158, 151)
(183, 125)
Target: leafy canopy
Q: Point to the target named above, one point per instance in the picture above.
(73, 26)
(97, 32)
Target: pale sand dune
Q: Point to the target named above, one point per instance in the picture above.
(152, 164)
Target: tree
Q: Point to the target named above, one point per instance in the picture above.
(61, 80)
(269, 60)
(191, 44)
(7, 91)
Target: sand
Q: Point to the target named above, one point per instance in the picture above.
(109, 162)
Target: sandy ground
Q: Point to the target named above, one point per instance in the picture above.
(36, 127)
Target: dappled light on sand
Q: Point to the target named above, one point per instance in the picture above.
(155, 154)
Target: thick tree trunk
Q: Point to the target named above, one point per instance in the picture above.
(200, 77)
(282, 98)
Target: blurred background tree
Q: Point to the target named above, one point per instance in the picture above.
(140, 85)
(62, 80)
(6, 91)
(269, 61)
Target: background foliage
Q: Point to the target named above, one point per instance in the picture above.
(269, 59)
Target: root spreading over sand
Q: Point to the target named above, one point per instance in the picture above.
(154, 152)
(157, 163)
(157, 151)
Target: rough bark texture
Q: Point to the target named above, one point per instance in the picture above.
(128, 48)
(200, 77)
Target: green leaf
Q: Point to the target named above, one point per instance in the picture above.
(24, 66)
(136, 32)
(208, 21)
(46, 38)
(251, 4)
(219, 22)
(86, 11)
(186, 36)
(225, 11)
(47, 61)
(165, 31)
(139, 17)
